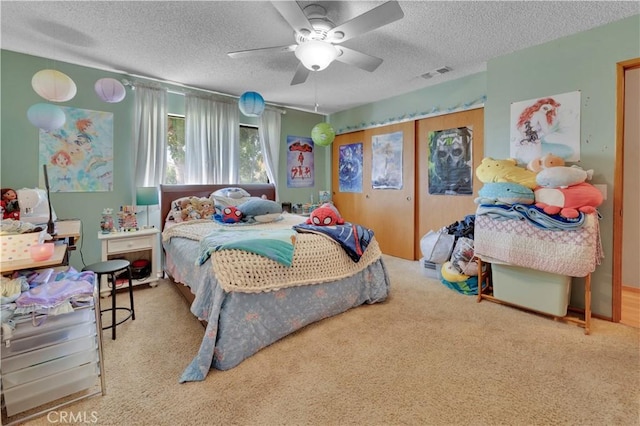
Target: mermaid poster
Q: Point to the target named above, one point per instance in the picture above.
(79, 155)
(546, 125)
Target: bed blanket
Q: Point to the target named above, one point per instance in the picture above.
(574, 253)
(353, 238)
(316, 259)
(275, 244)
(533, 214)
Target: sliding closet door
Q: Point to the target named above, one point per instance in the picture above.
(384, 197)
(350, 204)
(436, 204)
(389, 187)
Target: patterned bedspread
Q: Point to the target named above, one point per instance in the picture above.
(574, 253)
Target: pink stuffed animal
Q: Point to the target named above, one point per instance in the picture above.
(567, 202)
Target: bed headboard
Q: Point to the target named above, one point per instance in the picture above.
(169, 193)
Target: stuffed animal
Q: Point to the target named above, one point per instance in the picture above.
(562, 176)
(10, 206)
(325, 215)
(260, 210)
(545, 162)
(230, 214)
(504, 192)
(491, 170)
(451, 274)
(567, 202)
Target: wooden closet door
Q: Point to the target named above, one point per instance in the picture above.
(350, 204)
(435, 211)
(391, 212)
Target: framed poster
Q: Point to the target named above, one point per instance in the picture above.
(350, 167)
(79, 155)
(386, 164)
(300, 162)
(451, 161)
(549, 125)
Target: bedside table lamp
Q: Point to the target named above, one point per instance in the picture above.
(147, 196)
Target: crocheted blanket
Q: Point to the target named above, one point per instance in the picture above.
(316, 259)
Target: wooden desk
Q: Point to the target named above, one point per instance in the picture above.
(68, 230)
(58, 258)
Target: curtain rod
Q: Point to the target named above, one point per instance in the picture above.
(131, 84)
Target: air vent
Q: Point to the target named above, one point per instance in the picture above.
(443, 70)
(436, 72)
(426, 75)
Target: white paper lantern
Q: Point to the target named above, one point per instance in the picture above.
(110, 90)
(53, 85)
(46, 116)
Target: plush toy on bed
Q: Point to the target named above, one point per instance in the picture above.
(230, 214)
(260, 210)
(546, 161)
(568, 202)
(563, 176)
(491, 170)
(504, 193)
(325, 215)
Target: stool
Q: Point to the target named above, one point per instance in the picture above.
(110, 267)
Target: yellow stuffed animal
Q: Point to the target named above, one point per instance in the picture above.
(491, 170)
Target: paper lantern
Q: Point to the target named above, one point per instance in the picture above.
(46, 116)
(53, 85)
(251, 104)
(323, 134)
(110, 90)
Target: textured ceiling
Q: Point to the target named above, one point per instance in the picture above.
(186, 42)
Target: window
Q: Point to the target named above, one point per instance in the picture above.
(252, 167)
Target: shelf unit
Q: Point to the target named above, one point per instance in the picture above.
(46, 359)
(132, 245)
(485, 292)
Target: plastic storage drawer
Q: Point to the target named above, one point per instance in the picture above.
(26, 328)
(30, 395)
(17, 346)
(537, 290)
(39, 356)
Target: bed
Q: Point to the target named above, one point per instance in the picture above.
(248, 301)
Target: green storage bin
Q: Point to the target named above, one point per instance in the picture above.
(541, 291)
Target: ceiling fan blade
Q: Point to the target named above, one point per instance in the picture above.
(358, 59)
(261, 51)
(292, 13)
(377, 17)
(301, 75)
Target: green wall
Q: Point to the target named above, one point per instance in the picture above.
(585, 61)
(20, 139)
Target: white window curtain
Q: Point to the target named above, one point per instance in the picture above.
(212, 140)
(150, 140)
(269, 126)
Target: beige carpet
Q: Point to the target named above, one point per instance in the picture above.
(427, 356)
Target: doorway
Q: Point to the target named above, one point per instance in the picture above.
(626, 221)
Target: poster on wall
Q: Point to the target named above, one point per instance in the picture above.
(386, 162)
(549, 125)
(350, 167)
(79, 155)
(300, 162)
(451, 161)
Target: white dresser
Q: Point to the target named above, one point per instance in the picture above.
(50, 357)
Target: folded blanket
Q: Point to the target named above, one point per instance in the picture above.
(353, 238)
(275, 244)
(532, 214)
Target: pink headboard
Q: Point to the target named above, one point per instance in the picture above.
(168, 193)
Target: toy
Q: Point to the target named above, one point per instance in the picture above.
(10, 205)
(451, 274)
(491, 170)
(504, 192)
(562, 176)
(567, 202)
(206, 208)
(260, 210)
(545, 162)
(325, 215)
(230, 214)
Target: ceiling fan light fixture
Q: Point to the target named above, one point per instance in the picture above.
(316, 55)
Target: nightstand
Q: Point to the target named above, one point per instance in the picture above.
(132, 245)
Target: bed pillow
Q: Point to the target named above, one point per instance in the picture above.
(231, 192)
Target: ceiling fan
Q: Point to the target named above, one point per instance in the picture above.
(318, 39)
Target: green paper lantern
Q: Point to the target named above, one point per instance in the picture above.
(323, 134)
